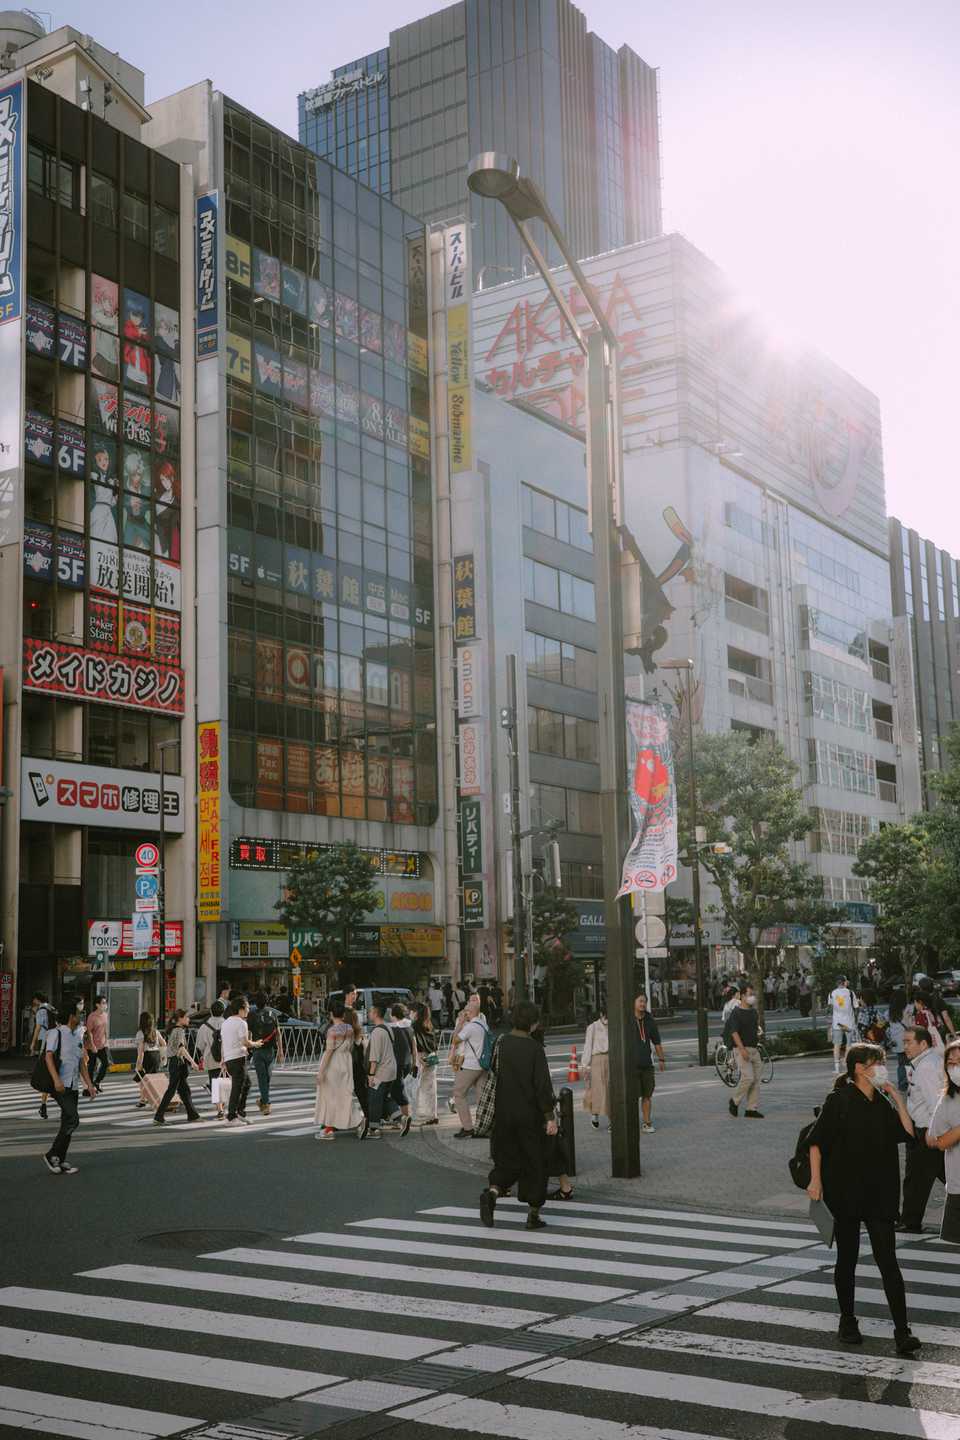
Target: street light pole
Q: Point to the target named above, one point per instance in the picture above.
(163, 747)
(509, 720)
(497, 177)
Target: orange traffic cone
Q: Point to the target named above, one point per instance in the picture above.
(573, 1073)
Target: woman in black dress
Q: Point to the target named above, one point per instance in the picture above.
(522, 1117)
(855, 1169)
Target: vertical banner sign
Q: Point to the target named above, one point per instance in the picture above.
(459, 379)
(464, 598)
(12, 122)
(208, 821)
(651, 861)
(208, 279)
(471, 837)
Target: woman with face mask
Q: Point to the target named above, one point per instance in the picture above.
(943, 1133)
(855, 1168)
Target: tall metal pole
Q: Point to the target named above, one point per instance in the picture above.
(162, 897)
(513, 738)
(695, 871)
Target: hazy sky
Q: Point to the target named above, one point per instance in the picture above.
(810, 149)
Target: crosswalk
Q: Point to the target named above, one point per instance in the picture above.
(617, 1322)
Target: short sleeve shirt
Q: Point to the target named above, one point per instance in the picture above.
(842, 1002)
(947, 1117)
(70, 1046)
(232, 1037)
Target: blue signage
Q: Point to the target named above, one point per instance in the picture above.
(11, 201)
(147, 887)
(208, 278)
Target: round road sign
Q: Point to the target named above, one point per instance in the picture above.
(147, 854)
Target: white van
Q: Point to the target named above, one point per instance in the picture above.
(382, 996)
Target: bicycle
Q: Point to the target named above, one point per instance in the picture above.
(725, 1063)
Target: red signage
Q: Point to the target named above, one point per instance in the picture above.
(59, 669)
(8, 1036)
(115, 937)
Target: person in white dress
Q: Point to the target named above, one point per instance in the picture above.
(596, 1064)
(337, 1106)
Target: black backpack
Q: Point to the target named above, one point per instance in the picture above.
(40, 1074)
(402, 1051)
(216, 1044)
(799, 1162)
(265, 1024)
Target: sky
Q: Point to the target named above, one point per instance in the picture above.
(809, 149)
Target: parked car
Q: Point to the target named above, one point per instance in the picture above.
(948, 983)
(381, 995)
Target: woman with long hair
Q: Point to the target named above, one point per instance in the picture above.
(150, 1049)
(855, 1169)
(337, 1107)
(427, 1040)
(943, 1133)
(596, 1065)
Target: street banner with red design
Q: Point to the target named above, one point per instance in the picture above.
(651, 861)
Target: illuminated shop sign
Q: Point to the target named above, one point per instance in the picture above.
(248, 853)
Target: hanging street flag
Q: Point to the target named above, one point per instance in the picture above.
(651, 861)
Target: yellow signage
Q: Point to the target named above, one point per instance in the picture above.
(208, 822)
(237, 255)
(239, 361)
(422, 942)
(418, 437)
(417, 352)
(458, 346)
(461, 444)
(295, 958)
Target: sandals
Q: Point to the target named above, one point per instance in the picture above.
(561, 1194)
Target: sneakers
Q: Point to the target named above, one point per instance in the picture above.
(159, 1120)
(595, 1121)
(405, 1126)
(752, 1115)
(905, 1228)
(242, 1120)
(451, 1107)
(264, 1107)
(533, 1220)
(363, 1129)
(43, 1110)
(52, 1164)
(194, 1118)
(488, 1201)
(326, 1134)
(374, 1133)
(434, 1121)
(463, 1134)
(66, 1169)
(906, 1342)
(647, 1129)
(732, 1107)
(849, 1330)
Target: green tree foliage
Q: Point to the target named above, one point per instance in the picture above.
(328, 892)
(748, 800)
(905, 875)
(554, 918)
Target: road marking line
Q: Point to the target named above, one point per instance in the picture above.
(418, 1275)
(290, 1293)
(755, 1400)
(695, 1216)
(292, 1333)
(810, 1289)
(560, 1218)
(554, 1240)
(787, 1318)
(172, 1366)
(85, 1419)
(522, 1422)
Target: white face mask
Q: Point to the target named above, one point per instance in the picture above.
(879, 1076)
(751, 999)
(954, 1072)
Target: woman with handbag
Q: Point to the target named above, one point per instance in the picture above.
(426, 1038)
(596, 1064)
(556, 1150)
(359, 1062)
(337, 1106)
(180, 1064)
(151, 1051)
(523, 1115)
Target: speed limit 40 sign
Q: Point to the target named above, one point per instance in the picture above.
(147, 855)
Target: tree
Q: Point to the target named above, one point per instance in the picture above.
(554, 917)
(905, 876)
(749, 803)
(328, 892)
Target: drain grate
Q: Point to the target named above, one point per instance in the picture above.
(197, 1240)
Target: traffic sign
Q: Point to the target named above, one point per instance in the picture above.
(142, 926)
(147, 854)
(650, 931)
(149, 902)
(655, 952)
(147, 886)
(295, 958)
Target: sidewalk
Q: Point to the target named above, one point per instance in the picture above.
(15, 1067)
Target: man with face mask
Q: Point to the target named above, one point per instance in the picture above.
(924, 1165)
(744, 1028)
(643, 1040)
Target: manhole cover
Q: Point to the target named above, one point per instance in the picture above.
(196, 1240)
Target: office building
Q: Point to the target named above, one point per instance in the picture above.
(315, 629)
(522, 76)
(926, 593)
(96, 356)
(754, 483)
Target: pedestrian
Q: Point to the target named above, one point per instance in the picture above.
(496, 1001)
(265, 1027)
(742, 1032)
(943, 1133)
(844, 1005)
(435, 1002)
(67, 1066)
(237, 1044)
(151, 1050)
(404, 1090)
(804, 996)
(225, 995)
(924, 1163)
(337, 1106)
(44, 1020)
(897, 1035)
(940, 1018)
(427, 1038)
(523, 1116)
(770, 992)
(855, 1169)
(643, 1038)
(596, 1069)
(179, 1065)
(466, 1060)
(556, 1149)
(98, 1034)
(448, 1005)
(381, 1068)
(210, 1049)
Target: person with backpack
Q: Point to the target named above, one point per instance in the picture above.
(44, 1020)
(855, 1169)
(404, 1090)
(381, 1068)
(180, 1064)
(66, 1064)
(210, 1050)
(470, 1054)
(265, 1027)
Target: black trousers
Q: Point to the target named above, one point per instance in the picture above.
(239, 1087)
(518, 1155)
(68, 1101)
(883, 1242)
(177, 1072)
(924, 1166)
(100, 1066)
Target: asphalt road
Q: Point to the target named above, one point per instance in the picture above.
(257, 1285)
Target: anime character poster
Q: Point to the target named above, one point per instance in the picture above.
(268, 369)
(136, 472)
(166, 375)
(266, 275)
(321, 305)
(295, 382)
(103, 501)
(347, 317)
(394, 342)
(371, 337)
(104, 402)
(137, 336)
(295, 290)
(651, 861)
(136, 522)
(166, 430)
(104, 304)
(166, 503)
(105, 355)
(136, 421)
(323, 394)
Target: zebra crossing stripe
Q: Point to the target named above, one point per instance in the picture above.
(784, 1318)
(289, 1293)
(67, 1415)
(695, 1217)
(817, 1290)
(421, 1275)
(555, 1240)
(521, 1422)
(176, 1368)
(518, 1215)
(755, 1400)
(338, 1339)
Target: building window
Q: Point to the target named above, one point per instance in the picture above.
(577, 810)
(560, 662)
(842, 768)
(558, 590)
(166, 236)
(550, 733)
(56, 179)
(585, 882)
(840, 832)
(556, 518)
(746, 604)
(745, 524)
(820, 631)
(103, 200)
(829, 699)
(136, 218)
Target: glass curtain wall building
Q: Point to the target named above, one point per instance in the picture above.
(522, 76)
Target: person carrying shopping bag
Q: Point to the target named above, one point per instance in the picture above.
(855, 1169)
(427, 1042)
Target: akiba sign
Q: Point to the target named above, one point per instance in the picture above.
(64, 794)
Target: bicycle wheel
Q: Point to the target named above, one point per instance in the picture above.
(766, 1066)
(722, 1060)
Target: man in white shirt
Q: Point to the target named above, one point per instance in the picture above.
(843, 1003)
(435, 1001)
(924, 1164)
(468, 1045)
(66, 1062)
(236, 1044)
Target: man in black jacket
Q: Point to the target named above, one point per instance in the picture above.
(643, 1038)
(523, 1115)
